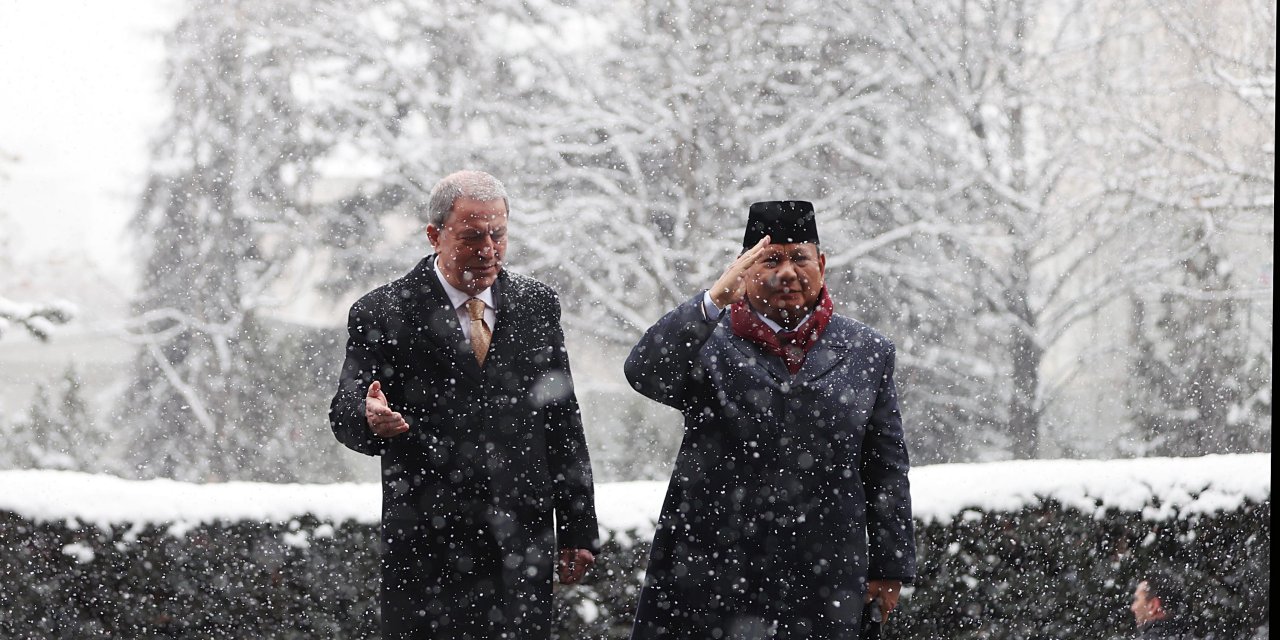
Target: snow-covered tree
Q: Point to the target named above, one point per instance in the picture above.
(396, 95)
(1221, 152)
(977, 198)
(1200, 387)
(1006, 160)
(59, 432)
(1203, 334)
(991, 178)
(954, 146)
(296, 128)
(645, 134)
(221, 220)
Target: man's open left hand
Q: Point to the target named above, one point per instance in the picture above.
(383, 422)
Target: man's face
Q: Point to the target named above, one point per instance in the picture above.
(785, 283)
(472, 243)
(1144, 607)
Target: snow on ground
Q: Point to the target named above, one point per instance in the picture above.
(1184, 487)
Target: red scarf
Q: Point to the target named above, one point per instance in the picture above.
(791, 346)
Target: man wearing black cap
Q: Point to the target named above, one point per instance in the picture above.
(789, 506)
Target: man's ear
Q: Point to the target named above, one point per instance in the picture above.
(433, 235)
(822, 263)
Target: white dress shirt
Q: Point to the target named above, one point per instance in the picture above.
(459, 300)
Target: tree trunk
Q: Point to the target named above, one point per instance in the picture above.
(1026, 355)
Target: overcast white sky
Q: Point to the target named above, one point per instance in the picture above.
(80, 94)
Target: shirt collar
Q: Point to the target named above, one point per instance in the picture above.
(458, 298)
(777, 328)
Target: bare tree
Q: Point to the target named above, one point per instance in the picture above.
(645, 134)
(985, 186)
(644, 145)
(1204, 332)
(1019, 185)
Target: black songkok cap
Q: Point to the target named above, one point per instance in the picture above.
(785, 221)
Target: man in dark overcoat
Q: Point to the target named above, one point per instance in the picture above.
(789, 505)
(456, 375)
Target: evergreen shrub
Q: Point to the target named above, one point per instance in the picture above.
(1043, 572)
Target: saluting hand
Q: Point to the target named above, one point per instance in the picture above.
(732, 286)
(383, 422)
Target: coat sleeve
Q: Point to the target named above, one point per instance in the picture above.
(346, 411)
(884, 467)
(663, 365)
(574, 492)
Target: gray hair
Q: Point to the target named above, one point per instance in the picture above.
(476, 185)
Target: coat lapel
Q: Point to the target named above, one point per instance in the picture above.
(823, 357)
(441, 319)
(753, 352)
(502, 323)
(832, 348)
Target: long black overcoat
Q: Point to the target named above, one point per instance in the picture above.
(492, 476)
(789, 492)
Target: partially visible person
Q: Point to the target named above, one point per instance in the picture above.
(1159, 608)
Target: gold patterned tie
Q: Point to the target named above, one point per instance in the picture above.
(480, 335)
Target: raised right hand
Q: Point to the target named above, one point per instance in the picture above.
(383, 422)
(733, 284)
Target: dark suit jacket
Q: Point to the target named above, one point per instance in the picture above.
(789, 492)
(493, 474)
(1166, 629)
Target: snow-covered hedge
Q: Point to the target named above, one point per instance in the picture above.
(1042, 549)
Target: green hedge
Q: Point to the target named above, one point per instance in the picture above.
(1047, 572)
(233, 580)
(1043, 572)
